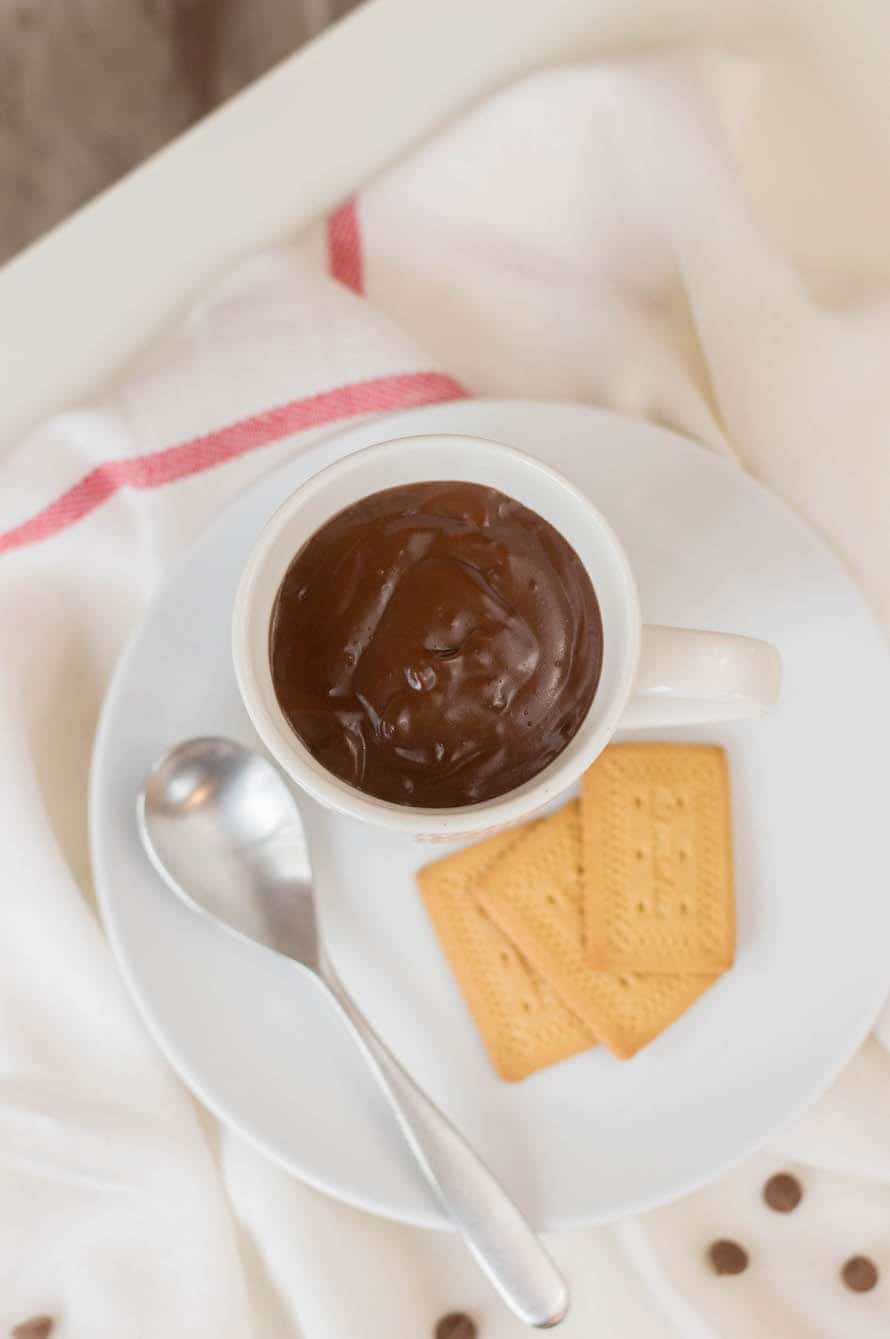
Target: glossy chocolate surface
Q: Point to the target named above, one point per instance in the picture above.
(436, 644)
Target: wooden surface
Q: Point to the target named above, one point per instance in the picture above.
(89, 88)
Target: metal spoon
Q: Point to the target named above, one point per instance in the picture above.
(222, 827)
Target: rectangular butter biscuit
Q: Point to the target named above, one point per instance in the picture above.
(657, 859)
(522, 1021)
(535, 895)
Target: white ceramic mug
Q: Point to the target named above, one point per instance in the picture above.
(651, 676)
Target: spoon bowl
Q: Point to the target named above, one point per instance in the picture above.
(222, 828)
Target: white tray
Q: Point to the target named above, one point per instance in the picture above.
(75, 309)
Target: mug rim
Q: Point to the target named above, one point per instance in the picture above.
(255, 681)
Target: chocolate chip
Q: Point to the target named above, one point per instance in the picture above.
(456, 1325)
(860, 1274)
(40, 1327)
(728, 1257)
(783, 1192)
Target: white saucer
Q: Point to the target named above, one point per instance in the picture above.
(592, 1138)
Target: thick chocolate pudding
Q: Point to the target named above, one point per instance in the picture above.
(436, 644)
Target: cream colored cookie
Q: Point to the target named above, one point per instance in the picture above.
(657, 857)
(522, 1021)
(535, 894)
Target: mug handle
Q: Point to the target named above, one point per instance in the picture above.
(687, 677)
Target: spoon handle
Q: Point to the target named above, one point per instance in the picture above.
(500, 1239)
